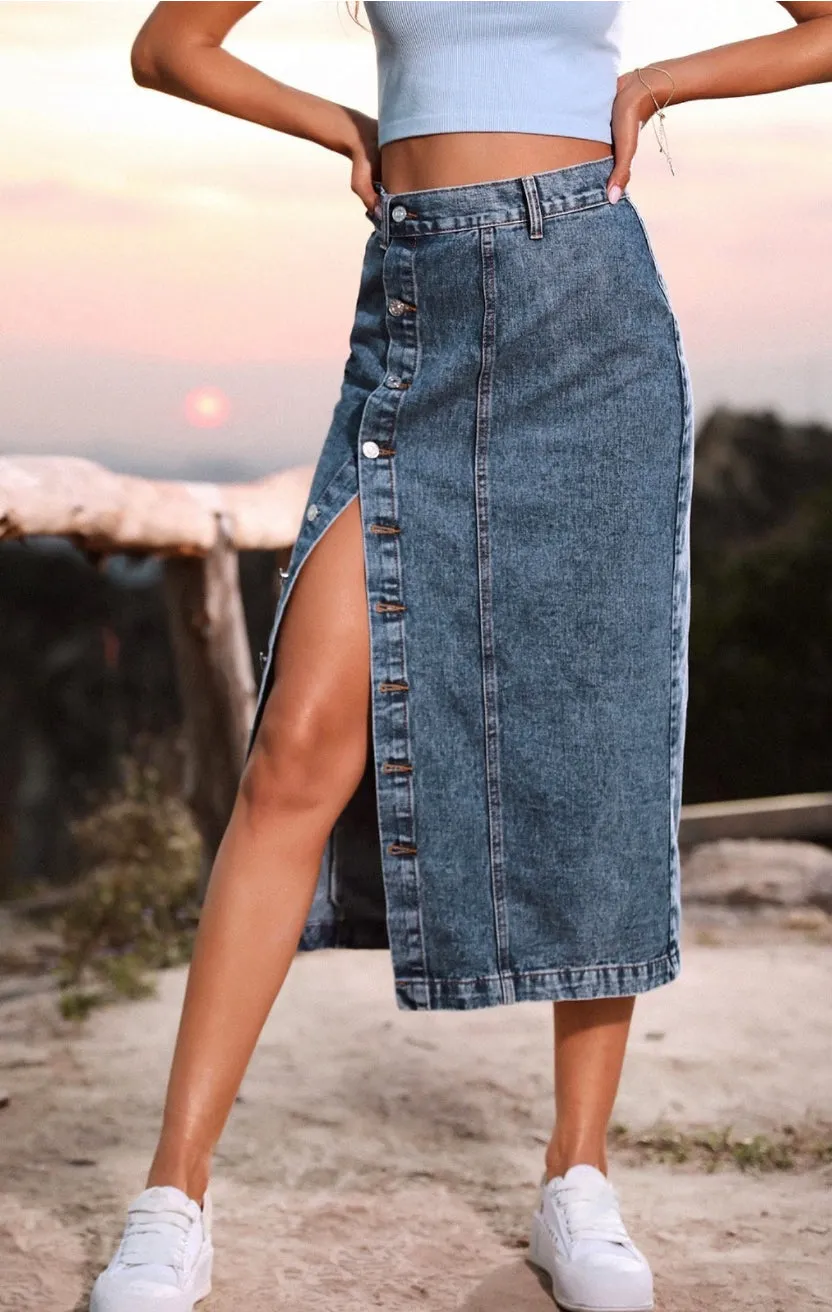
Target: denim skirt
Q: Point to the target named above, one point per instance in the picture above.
(516, 421)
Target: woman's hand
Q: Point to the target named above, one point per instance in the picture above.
(179, 50)
(632, 107)
(366, 158)
(796, 57)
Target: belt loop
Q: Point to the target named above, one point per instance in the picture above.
(385, 218)
(533, 211)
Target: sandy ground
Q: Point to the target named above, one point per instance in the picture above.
(380, 1159)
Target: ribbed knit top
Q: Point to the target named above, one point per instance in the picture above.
(496, 66)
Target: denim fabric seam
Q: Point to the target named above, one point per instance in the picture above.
(577, 210)
(483, 221)
(559, 984)
(676, 617)
(409, 899)
(484, 570)
(410, 781)
(322, 932)
(596, 968)
(417, 332)
(679, 621)
(394, 348)
(651, 253)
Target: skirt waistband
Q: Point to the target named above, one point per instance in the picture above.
(528, 198)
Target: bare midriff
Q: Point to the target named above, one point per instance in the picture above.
(452, 159)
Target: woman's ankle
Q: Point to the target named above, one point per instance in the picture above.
(565, 1152)
(190, 1173)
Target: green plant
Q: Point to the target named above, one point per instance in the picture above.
(136, 907)
(788, 1148)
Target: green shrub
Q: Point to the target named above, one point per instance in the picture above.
(760, 713)
(136, 906)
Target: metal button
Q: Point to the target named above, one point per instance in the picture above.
(396, 307)
(312, 512)
(394, 382)
(398, 213)
(370, 449)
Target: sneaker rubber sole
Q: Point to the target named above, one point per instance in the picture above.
(539, 1247)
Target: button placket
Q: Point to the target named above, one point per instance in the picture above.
(384, 570)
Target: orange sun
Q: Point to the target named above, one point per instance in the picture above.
(207, 407)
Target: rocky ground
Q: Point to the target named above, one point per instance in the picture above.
(380, 1159)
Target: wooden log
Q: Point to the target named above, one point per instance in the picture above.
(216, 680)
(793, 815)
(102, 511)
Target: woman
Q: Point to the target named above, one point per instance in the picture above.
(484, 655)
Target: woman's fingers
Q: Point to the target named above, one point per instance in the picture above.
(362, 181)
(629, 113)
(625, 129)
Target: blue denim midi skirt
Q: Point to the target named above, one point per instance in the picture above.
(516, 421)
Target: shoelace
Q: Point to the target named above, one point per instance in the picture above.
(155, 1238)
(591, 1218)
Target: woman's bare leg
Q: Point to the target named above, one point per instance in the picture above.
(590, 1040)
(307, 760)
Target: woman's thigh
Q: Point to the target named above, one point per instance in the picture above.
(317, 711)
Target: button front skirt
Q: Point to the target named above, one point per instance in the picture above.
(515, 419)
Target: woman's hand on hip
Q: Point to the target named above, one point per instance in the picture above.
(366, 158)
(632, 107)
(798, 56)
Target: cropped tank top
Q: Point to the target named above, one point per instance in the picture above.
(496, 66)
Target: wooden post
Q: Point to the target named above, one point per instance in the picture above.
(198, 528)
(216, 680)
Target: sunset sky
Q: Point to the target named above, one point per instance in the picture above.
(164, 267)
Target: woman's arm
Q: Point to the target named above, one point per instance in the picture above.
(774, 62)
(178, 50)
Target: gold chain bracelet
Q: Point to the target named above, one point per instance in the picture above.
(658, 128)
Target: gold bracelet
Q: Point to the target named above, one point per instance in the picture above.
(658, 128)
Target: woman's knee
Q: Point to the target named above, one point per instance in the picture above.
(301, 763)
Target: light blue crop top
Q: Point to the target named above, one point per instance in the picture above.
(496, 66)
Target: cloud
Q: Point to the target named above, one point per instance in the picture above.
(61, 201)
(67, 202)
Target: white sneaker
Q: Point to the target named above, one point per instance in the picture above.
(579, 1238)
(164, 1258)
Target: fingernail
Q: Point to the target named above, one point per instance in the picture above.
(615, 193)
(377, 209)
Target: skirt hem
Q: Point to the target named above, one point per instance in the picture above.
(568, 984)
